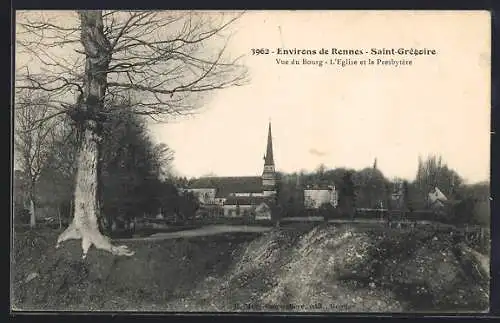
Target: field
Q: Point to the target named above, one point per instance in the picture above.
(300, 267)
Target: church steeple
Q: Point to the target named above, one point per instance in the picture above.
(268, 175)
(269, 159)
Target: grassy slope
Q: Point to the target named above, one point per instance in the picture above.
(341, 269)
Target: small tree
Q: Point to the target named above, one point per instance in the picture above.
(434, 172)
(58, 177)
(276, 214)
(21, 213)
(189, 204)
(347, 195)
(33, 140)
(388, 201)
(278, 202)
(406, 197)
(327, 211)
(370, 183)
(291, 206)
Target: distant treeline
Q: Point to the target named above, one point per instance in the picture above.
(368, 188)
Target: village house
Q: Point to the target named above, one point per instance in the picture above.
(437, 199)
(242, 206)
(316, 196)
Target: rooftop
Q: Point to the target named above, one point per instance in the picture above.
(246, 200)
(227, 185)
(318, 186)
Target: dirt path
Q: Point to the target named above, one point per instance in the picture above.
(204, 231)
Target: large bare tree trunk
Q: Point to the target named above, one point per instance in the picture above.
(85, 225)
(59, 216)
(31, 202)
(32, 211)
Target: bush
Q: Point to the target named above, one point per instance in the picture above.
(481, 213)
(21, 215)
(468, 211)
(328, 211)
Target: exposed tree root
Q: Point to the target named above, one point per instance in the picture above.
(92, 237)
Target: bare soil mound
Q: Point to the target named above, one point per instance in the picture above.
(326, 268)
(331, 268)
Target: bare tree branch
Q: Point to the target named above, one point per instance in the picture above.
(166, 61)
(34, 124)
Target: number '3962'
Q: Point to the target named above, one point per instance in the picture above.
(260, 51)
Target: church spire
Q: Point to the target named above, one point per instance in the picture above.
(269, 159)
(269, 175)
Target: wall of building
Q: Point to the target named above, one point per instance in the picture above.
(231, 210)
(219, 200)
(262, 212)
(208, 195)
(268, 176)
(248, 194)
(204, 195)
(269, 193)
(314, 198)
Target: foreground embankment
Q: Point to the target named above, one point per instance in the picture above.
(297, 268)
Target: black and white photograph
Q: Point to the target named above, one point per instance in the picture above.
(251, 161)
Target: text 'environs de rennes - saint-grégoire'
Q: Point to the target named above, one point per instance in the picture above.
(338, 51)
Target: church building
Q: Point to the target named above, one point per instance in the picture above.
(243, 194)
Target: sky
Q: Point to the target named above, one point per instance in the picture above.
(347, 117)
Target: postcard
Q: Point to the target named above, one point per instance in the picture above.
(252, 161)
